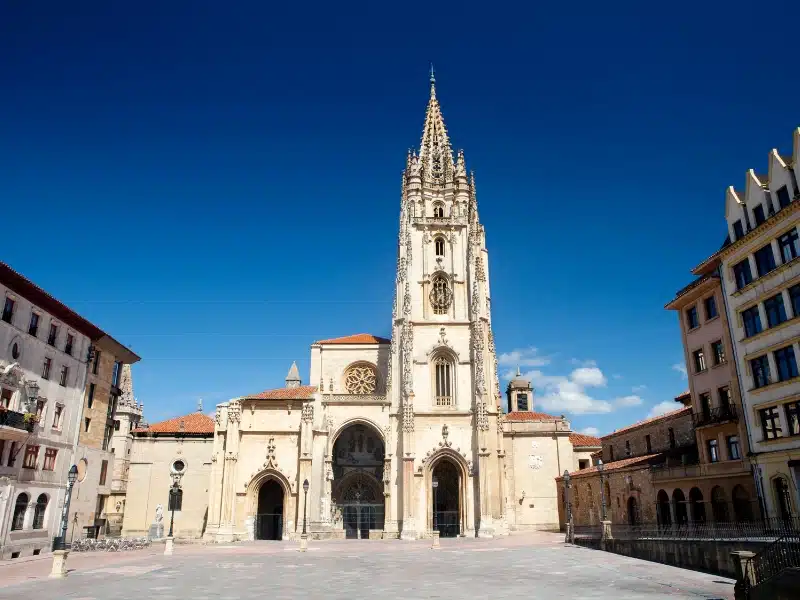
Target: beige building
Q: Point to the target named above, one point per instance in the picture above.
(720, 485)
(396, 437)
(760, 276)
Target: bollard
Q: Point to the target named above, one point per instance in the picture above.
(168, 546)
(303, 542)
(435, 544)
(59, 563)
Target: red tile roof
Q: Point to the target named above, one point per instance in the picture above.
(619, 464)
(358, 338)
(670, 415)
(195, 422)
(582, 440)
(303, 392)
(523, 415)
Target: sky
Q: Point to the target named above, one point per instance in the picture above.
(217, 185)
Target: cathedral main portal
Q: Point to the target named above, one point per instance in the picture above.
(357, 490)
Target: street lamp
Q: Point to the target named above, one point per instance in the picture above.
(305, 504)
(600, 468)
(60, 542)
(32, 390)
(569, 537)
(435, 484)
(174, 494)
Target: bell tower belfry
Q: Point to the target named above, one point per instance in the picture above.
(442, 359)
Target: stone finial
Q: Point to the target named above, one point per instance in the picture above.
(199, 405)
(293, 377)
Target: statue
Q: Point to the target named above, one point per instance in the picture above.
(159, 513)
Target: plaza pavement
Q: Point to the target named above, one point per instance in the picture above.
(522, 566)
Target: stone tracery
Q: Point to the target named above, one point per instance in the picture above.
(360, 379)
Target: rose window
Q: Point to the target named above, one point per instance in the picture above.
(360, 379)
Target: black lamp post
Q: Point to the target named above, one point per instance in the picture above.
(568, 500)
(174, 494)
(32, 390)
(305, 504)
(60, 542)
(600, 469)
(435, 484)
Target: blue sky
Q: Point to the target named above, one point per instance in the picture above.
(217, 185)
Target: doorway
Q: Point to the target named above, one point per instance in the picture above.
(269, 518)
(446, 499)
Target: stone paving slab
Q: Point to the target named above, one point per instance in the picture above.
(519, 567)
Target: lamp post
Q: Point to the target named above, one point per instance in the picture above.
(569, 537)
(174, 493)
(304, 535)
(32, 390)
(600, 469)
(435, 484)
(60, 551)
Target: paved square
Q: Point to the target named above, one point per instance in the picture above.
(524, 566)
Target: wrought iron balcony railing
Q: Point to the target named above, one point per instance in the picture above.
(720, 414)
(12, 418)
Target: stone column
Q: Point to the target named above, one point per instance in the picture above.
(410, 528)
(217, 470)
(228, 515)
(486, 528)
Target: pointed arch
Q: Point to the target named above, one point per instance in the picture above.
(462, 468)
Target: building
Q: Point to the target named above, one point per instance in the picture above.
(396, 436)
(722, 478)
(631, 456)
(760, 278)
(42, 342)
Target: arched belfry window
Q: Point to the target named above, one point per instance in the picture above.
(441, 297)
(443, 379)
(439, 246)
(438, 211)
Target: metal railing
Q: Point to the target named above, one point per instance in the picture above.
(781, 554)
(12, 418)
(767, 530)
(720, 414)
(588, 531)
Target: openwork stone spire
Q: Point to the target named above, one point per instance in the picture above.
(436, 155)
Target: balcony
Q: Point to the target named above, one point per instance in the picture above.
(714, 416)
(727, 468)
(15, 421)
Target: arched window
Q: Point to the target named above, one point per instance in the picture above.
(360, 378)
(19, 511)
(438, 211)
(443, 370)
(439, 246)
(719, 507)
(441, 296)
(38, 514)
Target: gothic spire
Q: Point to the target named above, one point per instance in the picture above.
(293, 377)
(435, 152)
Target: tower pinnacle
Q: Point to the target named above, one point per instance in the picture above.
(435, 153)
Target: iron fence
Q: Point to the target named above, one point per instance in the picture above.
(446, 523)
(269, 526)
(720, 414)
(766, 530)
(588, 531)
(360, 518)
(781, 554)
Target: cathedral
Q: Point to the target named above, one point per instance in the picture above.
(398, 437)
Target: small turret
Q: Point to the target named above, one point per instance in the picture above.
(293, 377)
(520, 394)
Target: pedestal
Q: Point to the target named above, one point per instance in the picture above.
(59, 563)
(409, 531)
(168, 546)
(250, 527)
(435, 544)
(156, 531)
(569, 538)
(303, 542)
(606, 530)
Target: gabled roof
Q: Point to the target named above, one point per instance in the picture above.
(523, 416)
(581, 440)
(302, 392)
(192, 423)
(358, 338)
(687, 410)
(618, 464)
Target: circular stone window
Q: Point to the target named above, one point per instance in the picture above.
(178, 466)
(83, 467)
(15, 351)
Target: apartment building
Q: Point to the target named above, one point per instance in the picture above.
(720, 483)
(760, 276)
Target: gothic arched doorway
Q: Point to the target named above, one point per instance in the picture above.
(269, 517)
(357, 488)
(446, 500)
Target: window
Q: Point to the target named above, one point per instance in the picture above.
(776, 313)
(90, 397)
(58, 413)
(711, 307)
(53, 334)
(691, 318)
(751, 320)
(671, 437)
(440, 295)
(713, 451)
(40, 409)
(705, 404)
(50, 459)
(439, 246)
(611, 453)
(96, 362)
(175, 499)
(770, 423)
(5, 397)
(33, 326)
(20, 507)
(765, 260)
(522, 401)
(86, 422)
(760, 368)
(109, 431)
(742, 274)
(116, 425)
(758, 213)
(438, 211)
(724, 394)
(734, 452)
(69, 344)
(38, 512)
(62, 380)
(783, 196)
(793, 417)
(31, 455)
(786, 363)
(699, 361)
(794, 296)
(8, 310)
(718, 352)
(12, 454)
(46, 368)
(648, 444)
(444, 385)
(738, 230)
(103, 472)
(627, 448)
(788, 243)
(583, 464)
(115, 375)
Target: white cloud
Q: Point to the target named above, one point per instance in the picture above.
(583, 363)
(638, 389)
(588, 377)
(680, 368)
(626, 401)
(570, 396)
(662, 408)
(590, 431)
(527, 357)
(616, 376)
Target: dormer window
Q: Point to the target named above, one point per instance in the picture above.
(438, 211)
(439, 246)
